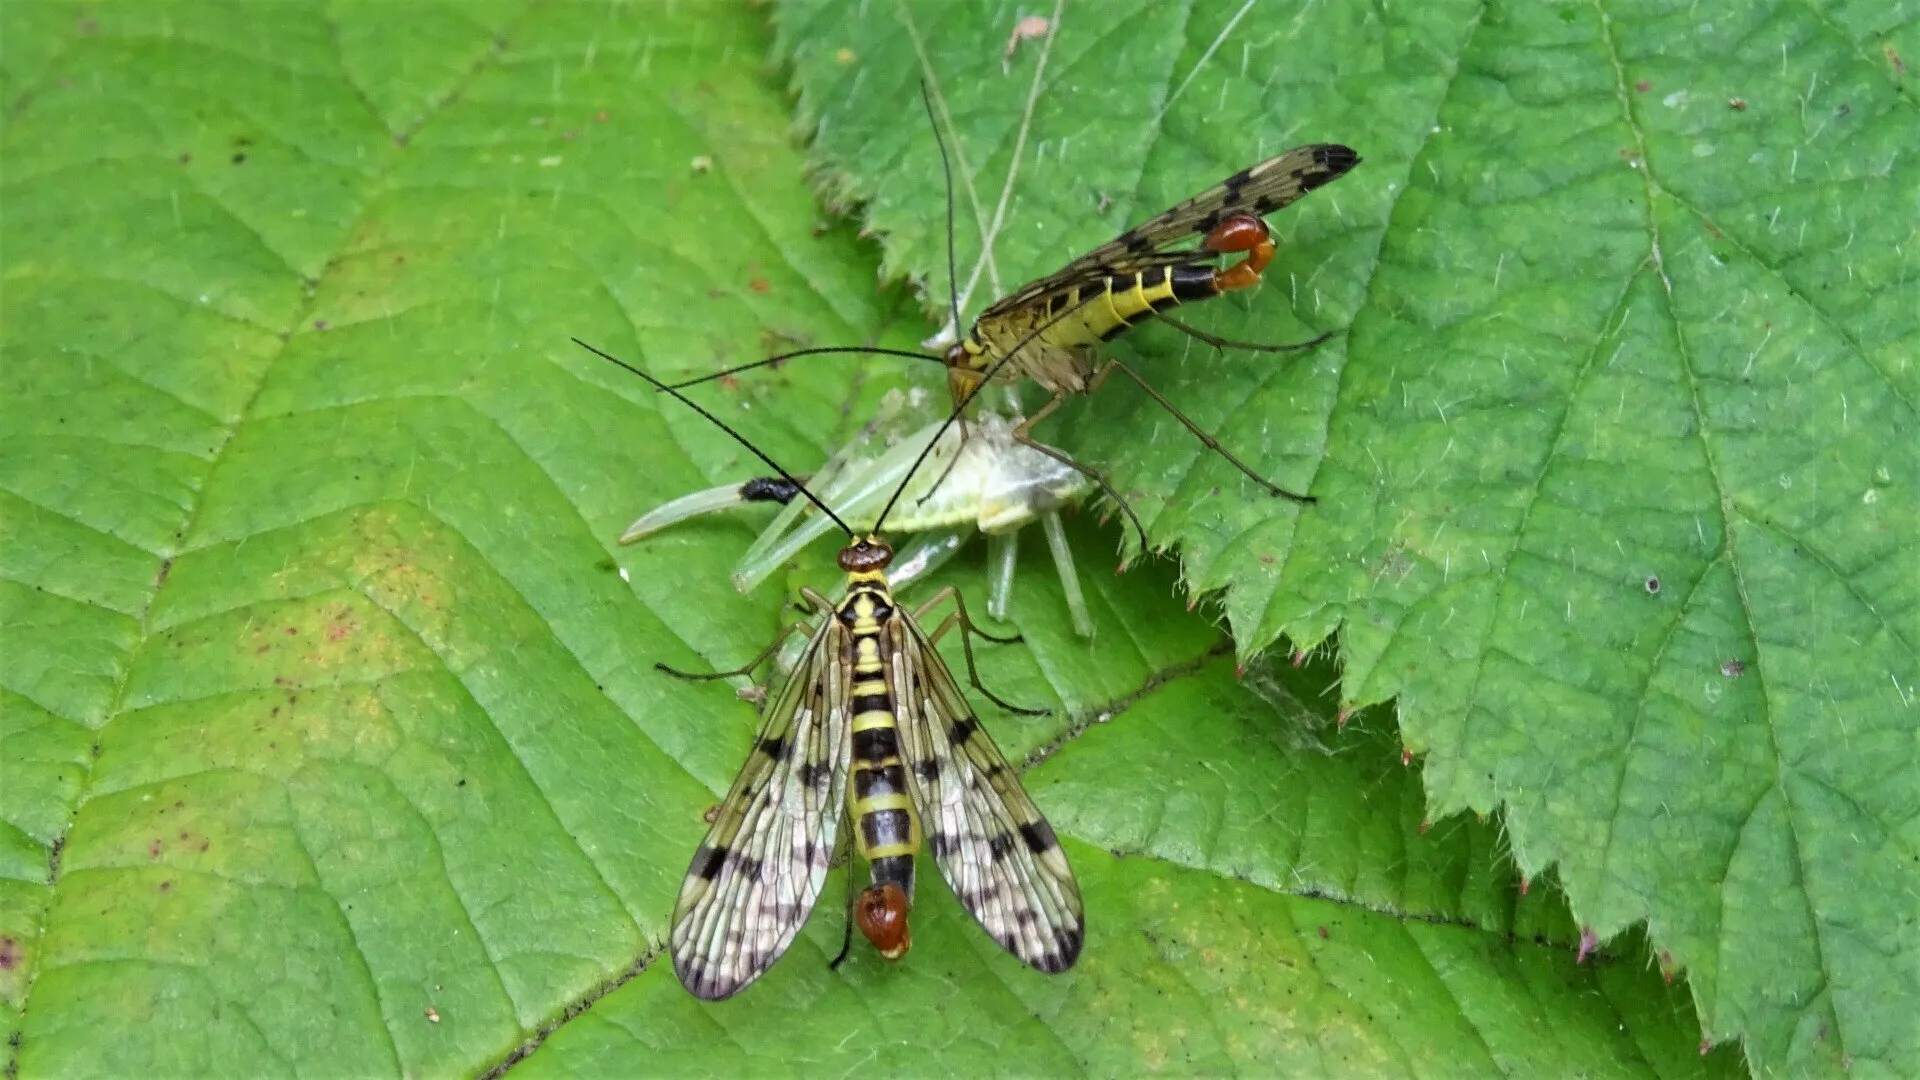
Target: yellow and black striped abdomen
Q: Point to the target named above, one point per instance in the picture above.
(1054, 332)
(886, 831)
(1103, 310)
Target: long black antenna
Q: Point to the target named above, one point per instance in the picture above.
(953, 279)
(722, 425)
(953, 296)
(946, 170)
(817, 350)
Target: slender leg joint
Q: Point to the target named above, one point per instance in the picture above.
(1206, 440)
(819, 603)
(968, 632)
(1022, 434)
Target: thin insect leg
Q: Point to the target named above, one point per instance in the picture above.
(920, 616)
(1228, 343)
(1003, 554)
(819, 603)
(1023, 434)
(944, 473)
(967, 631)
(1211, 443)
(846, 936)
(1069, 577)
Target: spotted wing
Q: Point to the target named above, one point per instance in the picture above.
(757, 874)
(1258, 190)
(992, 844)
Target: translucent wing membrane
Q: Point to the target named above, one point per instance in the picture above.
(1258, 190)
(871, 673)
(992, 844)
(755, 877)
(710, 501)
(979, 478)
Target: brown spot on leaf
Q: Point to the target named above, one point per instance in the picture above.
(1032, 26)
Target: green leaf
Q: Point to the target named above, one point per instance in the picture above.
(1612, 443)
(330, 733)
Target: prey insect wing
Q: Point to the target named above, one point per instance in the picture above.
(755, 877)
(979, 479)
(992, 844)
